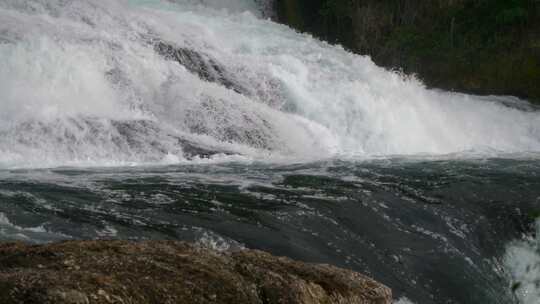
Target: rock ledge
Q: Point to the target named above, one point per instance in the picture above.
(84, 272)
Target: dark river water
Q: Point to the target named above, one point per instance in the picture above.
(435, 231)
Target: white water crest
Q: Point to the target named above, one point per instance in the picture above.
(522, 260)
(128, 82)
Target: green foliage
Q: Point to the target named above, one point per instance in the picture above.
(513, 15)
(534, 215)
(336, 8)
(481, 46)
(516, 286)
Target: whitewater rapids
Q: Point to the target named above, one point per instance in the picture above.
(86, 83)
(523, 261)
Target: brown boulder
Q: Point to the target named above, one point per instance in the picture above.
(84, 272)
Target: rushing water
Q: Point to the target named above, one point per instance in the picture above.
(435, 231)
(203, 121)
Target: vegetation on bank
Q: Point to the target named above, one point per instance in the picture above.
(478, 46)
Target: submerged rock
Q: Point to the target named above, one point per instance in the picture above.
(86, 137)
(80, 272)
(199, 64)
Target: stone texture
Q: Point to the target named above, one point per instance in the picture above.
(81, 272)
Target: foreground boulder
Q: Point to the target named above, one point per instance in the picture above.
(81, 272)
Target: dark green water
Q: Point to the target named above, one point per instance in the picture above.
(434, 231)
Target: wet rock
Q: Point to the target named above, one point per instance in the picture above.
(200, 64)
(142, 138)
(80, 272)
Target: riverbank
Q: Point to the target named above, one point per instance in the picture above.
(481, 47)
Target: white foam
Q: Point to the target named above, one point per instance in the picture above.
(11, 231)
(216, 242)
(107, 232)
(522, 260)
(403, 300)
(261, 8)
(73, 70)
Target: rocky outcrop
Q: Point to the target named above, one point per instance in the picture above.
(80, 272)
(478, 46)
(199, 64)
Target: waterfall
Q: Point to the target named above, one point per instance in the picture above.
(86, 83)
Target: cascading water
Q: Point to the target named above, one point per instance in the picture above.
(523, 260)
(73, 70)
(197, 119)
